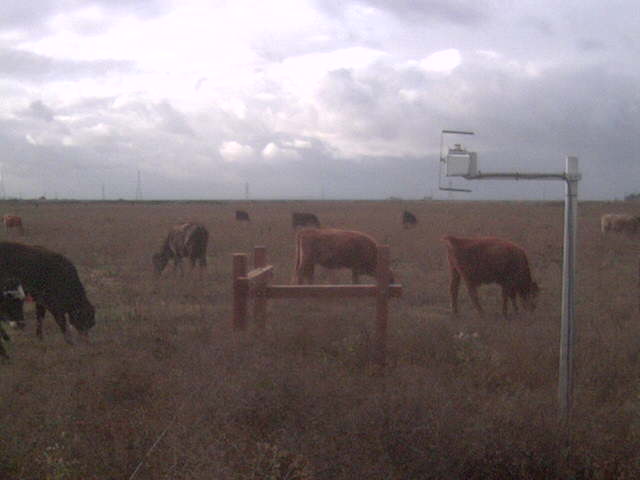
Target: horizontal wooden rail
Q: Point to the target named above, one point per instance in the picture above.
(260, 274)
(328, 291)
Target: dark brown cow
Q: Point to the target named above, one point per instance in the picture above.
(485, 260)
(620, 223)
(185, 240)
(304, 220)
(409, 219)
(242, 216)
(13, 221)
(53, 283)
(332, 248)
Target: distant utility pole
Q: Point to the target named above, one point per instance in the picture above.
(139, 188)
(3, 193)
(246, 190)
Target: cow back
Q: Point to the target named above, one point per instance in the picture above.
(489, 260)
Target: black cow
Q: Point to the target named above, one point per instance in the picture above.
(185, 240)
(53, 283)
(242, 216)
(409, 219)
(304, 220)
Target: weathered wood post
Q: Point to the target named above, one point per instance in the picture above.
(240, 291)
(382, 306)
(260, 301)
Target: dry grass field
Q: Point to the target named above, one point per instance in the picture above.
(167, 388)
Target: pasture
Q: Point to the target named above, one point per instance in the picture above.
(461, 398)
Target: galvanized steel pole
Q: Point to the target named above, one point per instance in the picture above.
(567, 328)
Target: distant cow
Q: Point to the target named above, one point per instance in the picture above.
(11, 299)
(185, 240)
(485, 260)
(53, 283)
(332, 248)
(242, 216)
(409, 219)
(620, 223)
(304, 220)
(13, 221)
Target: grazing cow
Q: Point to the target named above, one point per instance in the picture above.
(242, 216)
(304, 220)
(332, 248)
(13, 221)
(11, 299)
(620, 223)
(53, 283)
(484, 260)
(409, 219)
(185, 240)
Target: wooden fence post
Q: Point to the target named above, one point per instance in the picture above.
(260, 300)
(382, 306)
(240, 291)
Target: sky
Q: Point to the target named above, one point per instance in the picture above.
(336, 99)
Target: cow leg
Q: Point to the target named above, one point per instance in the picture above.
(61, 320)
(40, 313)
(306, 275)
(180, 266)
(473, 293)
(454, 286)
(508, 294)
(4, 335)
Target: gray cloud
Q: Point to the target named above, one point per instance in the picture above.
(37, 109)
(457, 12)
(26, 66)
(30, 17)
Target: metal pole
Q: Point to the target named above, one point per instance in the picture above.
(567, 331)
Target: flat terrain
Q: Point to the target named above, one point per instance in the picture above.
(461, 398)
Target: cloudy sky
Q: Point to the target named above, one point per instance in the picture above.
(300, 98)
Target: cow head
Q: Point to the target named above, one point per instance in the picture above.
(11, 300)
(159, 262)
(530, 297)
(83, 317)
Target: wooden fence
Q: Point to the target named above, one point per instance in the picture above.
(255, 285)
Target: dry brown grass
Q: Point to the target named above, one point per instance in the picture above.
(302, 401)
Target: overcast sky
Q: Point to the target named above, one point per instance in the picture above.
(303, 97)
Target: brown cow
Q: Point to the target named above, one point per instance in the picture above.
(332, 248)
(620, 223)
(485, 260)
(13, 221)
(185, 240)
